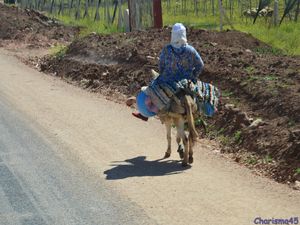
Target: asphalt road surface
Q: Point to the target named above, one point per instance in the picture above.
(38, 186)
(72, 157)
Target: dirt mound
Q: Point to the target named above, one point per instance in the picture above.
(31, 27)
(129, 56)
(263, 86)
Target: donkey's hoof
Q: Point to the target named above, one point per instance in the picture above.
(184, 164)
(181, 153)
(167, 155)
(191, 159)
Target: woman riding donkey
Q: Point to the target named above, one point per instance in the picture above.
(178, 61)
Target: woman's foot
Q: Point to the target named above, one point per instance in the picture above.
(140, 116)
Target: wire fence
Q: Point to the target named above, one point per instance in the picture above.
(231, 9)
(114, 11)
(107, 11)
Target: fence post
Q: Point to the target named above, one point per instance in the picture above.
(105, 10)
(157, 14)
(108, 19)
(86, 9)
(196, 7)
(297, 11)
(221, 14)
(130, 15)
(52, 7)
(77, 13)
(131, 7)
(276, 14)
(97, 14)
(120, 16)
(137, 18)
(126, 21)
(115, 10)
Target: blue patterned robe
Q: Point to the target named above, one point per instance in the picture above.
(176, 64)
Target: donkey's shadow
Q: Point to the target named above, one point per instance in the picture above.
(140, 167)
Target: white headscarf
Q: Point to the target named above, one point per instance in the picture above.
(178, 36)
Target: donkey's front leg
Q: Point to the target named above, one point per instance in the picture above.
(168, 128)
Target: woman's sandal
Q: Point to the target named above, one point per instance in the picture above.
(140, 116)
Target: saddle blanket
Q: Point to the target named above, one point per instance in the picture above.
(206, 95)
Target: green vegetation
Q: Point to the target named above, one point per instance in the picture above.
(250, 69)
(271, 51)
(270, 77)
(213, 132)
(267, 159)
(298, 170)
(221, 131)
(238, 137)
(226, 93)
(251, 160)
(283, 38)
(225, 140)
(58, 51)
(200, 122)
(88, 25)
(267, 78)
(207, 22)
(291, 123)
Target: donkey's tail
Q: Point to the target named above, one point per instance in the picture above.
(193, 134)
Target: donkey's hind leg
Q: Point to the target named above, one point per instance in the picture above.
(191, 152)
(180, 148)
(168, 128)
(181, 133)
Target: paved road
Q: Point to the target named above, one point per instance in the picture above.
(71, 157)
(38, 186)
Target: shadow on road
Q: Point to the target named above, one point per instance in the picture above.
(139, 167)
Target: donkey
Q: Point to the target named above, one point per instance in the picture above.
(182, 109)
(187, 106)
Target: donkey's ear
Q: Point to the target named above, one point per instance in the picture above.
(154, 74)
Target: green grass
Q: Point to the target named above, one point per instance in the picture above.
(58, 51)
(267, 159)
(284, 38)
(292, 123)
(226, 93)
(225, 140)
(250, 69)
(238, 137)
(251, 160)
(88, 25)
(207, 22)
(268, 78)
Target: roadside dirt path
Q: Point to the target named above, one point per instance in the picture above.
(104, 139)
